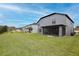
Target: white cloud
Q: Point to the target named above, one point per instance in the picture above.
(10, 7)
(40, 11)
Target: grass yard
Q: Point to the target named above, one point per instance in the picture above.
(29, 44)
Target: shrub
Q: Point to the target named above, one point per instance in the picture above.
(3, 29)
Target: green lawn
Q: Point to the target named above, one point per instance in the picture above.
(29, 44)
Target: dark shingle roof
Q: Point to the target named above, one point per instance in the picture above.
(30, 24)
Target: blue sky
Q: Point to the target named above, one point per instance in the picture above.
(21, 14)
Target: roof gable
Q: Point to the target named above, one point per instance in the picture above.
(59, 14)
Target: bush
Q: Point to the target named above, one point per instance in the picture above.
(3, 29)
(72, 34)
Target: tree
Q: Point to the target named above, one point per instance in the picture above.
(3, 29)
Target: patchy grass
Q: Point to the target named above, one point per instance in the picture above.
(30, 44)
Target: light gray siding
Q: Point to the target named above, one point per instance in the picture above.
(59, 19)
(47, 21)
(34, 27)
(69, 27)
(59, 22)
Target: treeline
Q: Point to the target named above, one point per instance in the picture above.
(3, 29)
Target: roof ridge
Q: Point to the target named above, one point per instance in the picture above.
(56, 13)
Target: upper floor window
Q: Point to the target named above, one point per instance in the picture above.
(53, 22)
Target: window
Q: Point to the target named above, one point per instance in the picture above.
(53, 22)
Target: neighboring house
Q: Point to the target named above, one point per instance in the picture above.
(53, 24)
(18, 30)
(33, 28)
(76, 30)
(14, 29)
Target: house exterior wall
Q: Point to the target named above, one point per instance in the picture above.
(58, 20)
(24, 29)
(69, 27)
(34, 27)
(48, 20)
